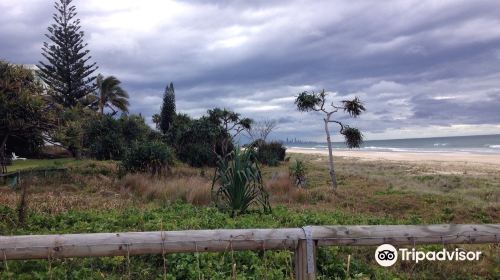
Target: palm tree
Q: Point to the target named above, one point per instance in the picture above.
(111, 95)
(157, 120)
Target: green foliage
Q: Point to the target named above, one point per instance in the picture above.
(250, 264)
(237, 183)
(150, 157)
(167, 113)
(353, 107)
(270, 153)
(24, 114)
(353, 137)
(181, 125)
(110, 94)
(309, 101)
(104, 138)
(230, 125)
(197, 142)
(28, 145)
(71, 129)
(67, 71)
(134, 129)
(297, 172)
(156, 120)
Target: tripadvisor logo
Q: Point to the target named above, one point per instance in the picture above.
(387, 255)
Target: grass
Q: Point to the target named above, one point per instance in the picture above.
(91, 197)
(28, 164)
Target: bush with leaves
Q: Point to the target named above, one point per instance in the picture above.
(270, 153)
(108, 138)
(25, 115)
(151, 157)
(237, 184)
(70, 132)
(197, 142)
(104, 139)
(297, 172)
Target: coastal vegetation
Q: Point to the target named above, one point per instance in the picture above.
(312, 101)
(92, 197)
(95, 167)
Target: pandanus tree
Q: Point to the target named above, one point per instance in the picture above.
(110, 94)
(312, 101)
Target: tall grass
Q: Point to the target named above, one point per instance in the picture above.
(193, 189)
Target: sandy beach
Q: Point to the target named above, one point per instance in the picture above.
(456, 157)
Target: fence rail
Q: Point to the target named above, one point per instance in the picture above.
(301, 240)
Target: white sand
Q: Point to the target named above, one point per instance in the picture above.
(408, 156)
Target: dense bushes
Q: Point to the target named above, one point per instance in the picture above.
(270, 153)
(29, 145)
(108, 138)
(151, 157)
(197, 141)
(104, 138)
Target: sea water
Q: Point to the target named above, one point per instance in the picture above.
(483, 144)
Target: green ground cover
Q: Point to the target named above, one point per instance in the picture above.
(91, 197)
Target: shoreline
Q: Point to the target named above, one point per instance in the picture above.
(463, 157)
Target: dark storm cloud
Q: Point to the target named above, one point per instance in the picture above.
(415, 63)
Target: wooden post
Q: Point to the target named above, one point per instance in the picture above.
(303, 264)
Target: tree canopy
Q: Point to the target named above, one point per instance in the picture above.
(167, 113)
(24, 109)
(111, 95)
(67, 70)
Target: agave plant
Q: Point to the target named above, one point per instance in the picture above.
(237, 184)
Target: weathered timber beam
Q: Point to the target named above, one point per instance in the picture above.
(220, 240)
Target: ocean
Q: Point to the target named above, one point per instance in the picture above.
(482, 144)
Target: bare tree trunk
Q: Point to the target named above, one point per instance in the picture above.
(330, 154)
(101, 107)
(3, 161)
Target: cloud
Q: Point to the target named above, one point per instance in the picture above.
(417, 65)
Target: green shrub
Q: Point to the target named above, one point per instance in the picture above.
(150, 157)
(104, 138)
(297, 171)
(108, 138)
(270, 153)
(194, 141)
(237, 183)
(197, 154)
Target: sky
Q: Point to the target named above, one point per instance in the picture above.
(422, 68)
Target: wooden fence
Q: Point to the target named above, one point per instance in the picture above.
(303, 241)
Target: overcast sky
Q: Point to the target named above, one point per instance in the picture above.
(423, 68)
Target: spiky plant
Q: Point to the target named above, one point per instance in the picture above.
(237, 183)
(297, 172)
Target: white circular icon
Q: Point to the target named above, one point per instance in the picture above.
(386, 255)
